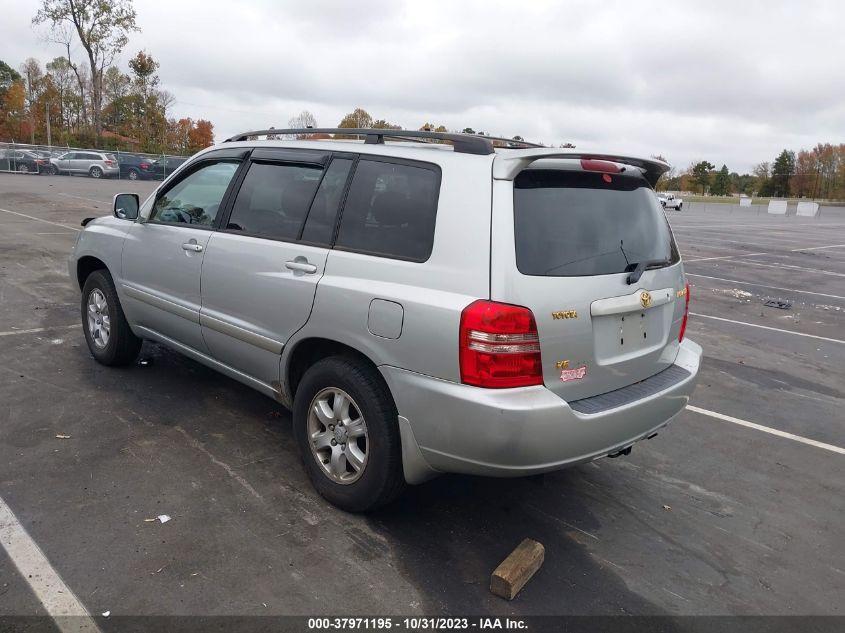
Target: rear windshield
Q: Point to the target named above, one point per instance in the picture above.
(576, 223)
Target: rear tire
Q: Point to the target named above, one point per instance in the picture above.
(96, 172)
(133, 174)
(23, 169)
(109, 337)
(380, 479)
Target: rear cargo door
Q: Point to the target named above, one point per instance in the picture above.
(565, 241)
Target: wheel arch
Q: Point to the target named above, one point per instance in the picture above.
(307, 351)
(86, 265)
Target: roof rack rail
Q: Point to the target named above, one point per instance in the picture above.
(462, 143)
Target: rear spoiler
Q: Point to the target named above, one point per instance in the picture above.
(508, 164)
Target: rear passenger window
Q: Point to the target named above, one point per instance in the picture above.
(319, 228)
(390, 210)
(274, 200)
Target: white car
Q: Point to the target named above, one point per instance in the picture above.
(669, 201)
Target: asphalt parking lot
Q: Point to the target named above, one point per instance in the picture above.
(712, 517)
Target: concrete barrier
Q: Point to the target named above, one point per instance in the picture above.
(809, 209)
(745, 202)
(777, 207)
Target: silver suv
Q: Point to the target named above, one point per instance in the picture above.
(94, 164)
(467, 305)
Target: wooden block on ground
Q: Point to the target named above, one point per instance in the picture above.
(516, 570)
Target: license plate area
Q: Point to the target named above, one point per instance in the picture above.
(622, 336)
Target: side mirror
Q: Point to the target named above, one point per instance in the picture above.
(126, 206)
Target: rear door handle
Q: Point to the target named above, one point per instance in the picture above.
(192, 246)
(300, 266)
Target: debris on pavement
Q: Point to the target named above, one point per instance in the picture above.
(106, 614)
(62, 437)
(665, 507)
(517, 569)
(781, 304)
(161, 518)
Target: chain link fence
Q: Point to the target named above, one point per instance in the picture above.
(24, 158)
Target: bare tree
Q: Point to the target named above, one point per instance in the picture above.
(102, 28)
(302, 120)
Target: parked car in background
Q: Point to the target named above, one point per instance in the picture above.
(541, 325)
(22, 161)
(163, 167)
(94, 164)
(669, 201)
(135, 167)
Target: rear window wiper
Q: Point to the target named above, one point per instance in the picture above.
(640, 268)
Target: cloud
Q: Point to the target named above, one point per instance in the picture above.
(732, 82)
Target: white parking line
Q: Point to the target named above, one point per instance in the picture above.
(817, 248)
(36, 330)
(802, 268)
(707, 259)
(67, 195)
(766, 327)
(748, 283)
(766, 429)
(792, 250)
(32, 217)
(58, 599)
(716, 226)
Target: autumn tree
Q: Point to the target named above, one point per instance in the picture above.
(200, 136)
(430, 127)
(102, 27)
(33, 78)
(14, 110)
(61, 74)
(358, 118)
(721, 182)
(665, 178)
(700, 173)
(381, 124)
(8, 76)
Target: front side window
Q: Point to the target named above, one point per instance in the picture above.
(390, 210)
(196, 199)
(274, 200)
(574, 223)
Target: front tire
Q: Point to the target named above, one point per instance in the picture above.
(680, 206)
(53, 170)
(345, 427)
(96, 172)
(109, 337)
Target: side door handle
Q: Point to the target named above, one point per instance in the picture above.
(192, 246)
(301, 266)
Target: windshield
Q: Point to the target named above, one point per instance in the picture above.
(577, 223)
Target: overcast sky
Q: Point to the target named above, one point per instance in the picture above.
(730, 82)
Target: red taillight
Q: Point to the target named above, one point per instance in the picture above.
(591, 164)
(499, 346)
(145, 165)
(108, 162)
(686, 315)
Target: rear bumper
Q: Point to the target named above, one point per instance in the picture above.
(449, 427)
